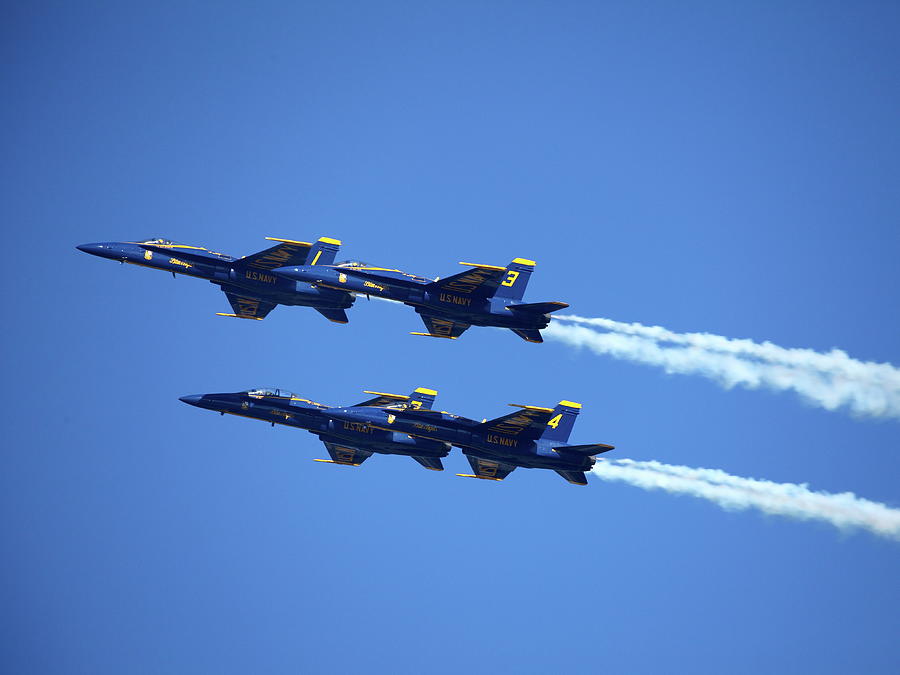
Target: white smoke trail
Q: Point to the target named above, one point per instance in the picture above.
(845, 510)
(831, 380)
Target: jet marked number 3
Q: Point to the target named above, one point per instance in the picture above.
(555, 421)
(511, 278)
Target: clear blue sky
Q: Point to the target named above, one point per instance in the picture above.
(705, 166)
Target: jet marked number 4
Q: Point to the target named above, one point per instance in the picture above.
(555, 421)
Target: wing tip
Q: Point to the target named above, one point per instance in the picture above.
(446, 337)
(289, 241)
(331, 461)
(239, 316)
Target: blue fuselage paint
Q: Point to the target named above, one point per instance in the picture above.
(470, 438)
(224, 271)
(412, 290)
(343, 428)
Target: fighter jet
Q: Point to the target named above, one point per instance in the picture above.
(252, 285)
(531, 437)
(349, 441)
(485, 295)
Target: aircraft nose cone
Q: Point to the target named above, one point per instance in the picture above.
(192, 399)
(102, 250)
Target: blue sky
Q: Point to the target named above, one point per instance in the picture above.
(730, 169)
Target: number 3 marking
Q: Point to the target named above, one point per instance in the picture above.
(511, 278)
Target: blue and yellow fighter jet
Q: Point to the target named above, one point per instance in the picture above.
(251, 284)
(348, 438)
(531, 437)
(485, 295)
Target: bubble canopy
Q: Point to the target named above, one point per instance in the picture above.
(159, 241)
(266, 391)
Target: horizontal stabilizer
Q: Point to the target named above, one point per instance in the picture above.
(574, 477)
(433, 463)
(538, 307)
(528, 334)
(333, 314)
(592, 449)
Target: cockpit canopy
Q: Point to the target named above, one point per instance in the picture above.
(352, 263)
(159, 241)
(278, 393)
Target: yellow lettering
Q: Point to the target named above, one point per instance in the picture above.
(511, 278)
(555, 421)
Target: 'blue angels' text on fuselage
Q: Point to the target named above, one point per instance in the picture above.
(531, 437)
(485, 295)
(251, 284)
(349, 441)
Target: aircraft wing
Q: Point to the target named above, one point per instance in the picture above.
(480, 281)
(381, 400)
(433, 463)
(286, 253)
(345, 454)
(574, 477)
(443, 328)
(247, 306)
(527, 424)
(487, 469)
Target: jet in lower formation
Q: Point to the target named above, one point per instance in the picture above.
(252, 285)
(348, 439)
(531, 437)
(485, 295)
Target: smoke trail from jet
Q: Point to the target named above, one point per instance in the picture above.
(845, 511)
(831, 380)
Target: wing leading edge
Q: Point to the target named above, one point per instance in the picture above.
(487, 469)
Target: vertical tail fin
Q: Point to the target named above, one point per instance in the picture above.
(422, 398)
(560, 425)
(516, 279)
(323, 251)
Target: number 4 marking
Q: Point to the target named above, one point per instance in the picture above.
(555, 421)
